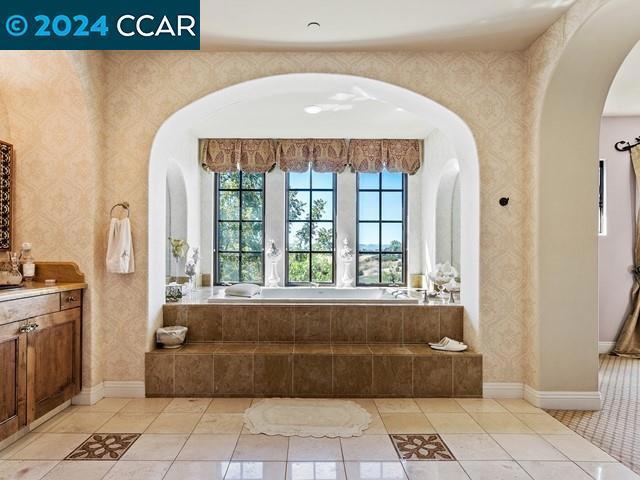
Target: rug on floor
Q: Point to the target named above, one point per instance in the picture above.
(312, 417)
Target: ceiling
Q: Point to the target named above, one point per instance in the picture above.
(624, 96)
(347, 113)
(376, 24)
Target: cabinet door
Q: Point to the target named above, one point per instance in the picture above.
(13, 379)
(53, 361)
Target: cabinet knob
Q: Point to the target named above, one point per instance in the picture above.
(71, 299)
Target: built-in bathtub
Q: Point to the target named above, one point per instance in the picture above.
(372, 295)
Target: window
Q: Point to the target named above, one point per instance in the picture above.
(602, 198)
(381, 236)
(240, 227)
(310, 227)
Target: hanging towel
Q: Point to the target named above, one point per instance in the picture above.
(120, 247)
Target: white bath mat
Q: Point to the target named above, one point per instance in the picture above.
(302, 417)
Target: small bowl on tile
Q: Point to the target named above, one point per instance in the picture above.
(171, 337)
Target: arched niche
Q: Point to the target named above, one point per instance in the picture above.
(177, 215)
(447, 248)
(176, 141)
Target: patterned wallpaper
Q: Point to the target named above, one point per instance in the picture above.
(83, 124)
(46, 113)
(485, 89)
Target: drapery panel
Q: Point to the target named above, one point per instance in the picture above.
(628, 343)
(322, 155)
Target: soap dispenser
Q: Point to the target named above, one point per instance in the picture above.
(28, 266)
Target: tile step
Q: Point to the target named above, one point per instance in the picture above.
(312, 370)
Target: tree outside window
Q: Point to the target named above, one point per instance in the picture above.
(240, 227)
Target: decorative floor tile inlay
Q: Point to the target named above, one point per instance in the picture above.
(104, 446)
(421, 447)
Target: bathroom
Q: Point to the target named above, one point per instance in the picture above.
(484, 199)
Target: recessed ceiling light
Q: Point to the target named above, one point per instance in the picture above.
(313, 25)
(313, 109)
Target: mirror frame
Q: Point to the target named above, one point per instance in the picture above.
(6, 195)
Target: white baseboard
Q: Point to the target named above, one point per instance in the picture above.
(503, 390)
(606, 347)
(89, 395)
(124, 389)
(109, 389)
(563, 400)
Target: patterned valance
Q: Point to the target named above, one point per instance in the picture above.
(219, 155)
(323, 155)
(294, 155)
(402, 155)
(257, 156)
(366, 156)
(329, 155)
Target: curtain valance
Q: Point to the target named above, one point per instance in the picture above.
(257, 156)
(219, 155)
(294, 155)
(323, 155)
(402, 155)
(231, 154)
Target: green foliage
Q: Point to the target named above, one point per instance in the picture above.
(231, 229)
(306, 235)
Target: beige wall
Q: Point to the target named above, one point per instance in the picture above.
(83, 125)
(50, 113)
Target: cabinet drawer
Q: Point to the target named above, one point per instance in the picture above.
(15, 310)
(70, 299)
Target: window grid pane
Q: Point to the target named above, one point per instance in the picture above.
(240, 228)
(381, 232)
(310, 238)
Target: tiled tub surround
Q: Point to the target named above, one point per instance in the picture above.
(314, 351)
(318, 323)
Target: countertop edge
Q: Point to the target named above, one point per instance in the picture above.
(36, 289)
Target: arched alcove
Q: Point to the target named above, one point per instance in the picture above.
(447, 249)
(566, 241)
(176, 141)
(177, 214)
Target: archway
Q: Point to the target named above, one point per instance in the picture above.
(176, 142)
(566, 241)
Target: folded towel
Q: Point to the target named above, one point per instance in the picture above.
(243, 290)
(120, 247)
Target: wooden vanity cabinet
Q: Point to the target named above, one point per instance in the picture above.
(13, 379)
(40, 356)
(53, 361)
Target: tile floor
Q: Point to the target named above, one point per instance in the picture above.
(615, 428)
(409, 439)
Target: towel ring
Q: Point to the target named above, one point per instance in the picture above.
(124, 205)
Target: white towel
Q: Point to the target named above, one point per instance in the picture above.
(120, 247)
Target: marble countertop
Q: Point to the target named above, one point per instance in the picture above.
(34, 289)
(201, 296)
